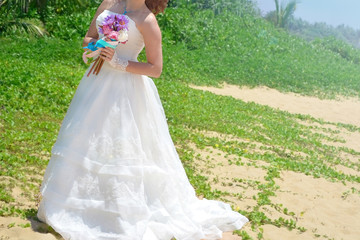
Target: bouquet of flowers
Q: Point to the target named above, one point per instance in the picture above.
(114, 28)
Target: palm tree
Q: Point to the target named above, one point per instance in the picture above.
(11, 9)
(9, 22)
(284, 12)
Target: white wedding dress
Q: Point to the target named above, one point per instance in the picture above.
(114, 172)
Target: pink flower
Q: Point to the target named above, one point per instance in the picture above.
(106, 29)
(113, 35)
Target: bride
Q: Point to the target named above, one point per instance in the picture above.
(114, 172)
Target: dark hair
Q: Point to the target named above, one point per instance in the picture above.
(156, 6)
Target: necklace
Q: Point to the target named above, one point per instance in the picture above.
(117, 2)
(125, 11)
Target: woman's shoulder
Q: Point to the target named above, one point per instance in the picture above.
(105, 4)
(147, 19)
(149, 28)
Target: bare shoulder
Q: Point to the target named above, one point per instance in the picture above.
(148, 21)
(105, 4)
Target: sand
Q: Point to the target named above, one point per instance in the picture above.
(321, 205)
(20, 229)
(12, 228)
(344, 111)
(328, 210)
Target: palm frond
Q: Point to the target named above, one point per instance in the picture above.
(2, 2)
(277, 11)
(288, 11)
(284, 11)
(21, 25)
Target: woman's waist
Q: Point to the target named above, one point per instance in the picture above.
(107, 68)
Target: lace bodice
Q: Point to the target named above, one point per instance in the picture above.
(131, 49)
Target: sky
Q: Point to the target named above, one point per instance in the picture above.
(333, 12)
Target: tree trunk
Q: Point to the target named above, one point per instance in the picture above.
(41, 9)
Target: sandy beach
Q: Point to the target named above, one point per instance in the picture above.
(328, 210)
(343, 111)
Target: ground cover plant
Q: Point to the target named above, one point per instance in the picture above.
(34, 99)
(251, 50)
(254, 53)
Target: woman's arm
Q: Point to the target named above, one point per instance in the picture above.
(152, 39)
(92, 34)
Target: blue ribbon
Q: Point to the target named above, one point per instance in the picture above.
(99, 44)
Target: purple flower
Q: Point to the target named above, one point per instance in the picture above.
(109, 20)
(101, 30)
(115, 22)
(116, 26)
(123, 21)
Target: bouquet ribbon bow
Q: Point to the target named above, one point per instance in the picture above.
(95, 48)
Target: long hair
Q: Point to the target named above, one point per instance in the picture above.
(156, 6)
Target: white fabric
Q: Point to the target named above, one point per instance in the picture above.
(114, 172)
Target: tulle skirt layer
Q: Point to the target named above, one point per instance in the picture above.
(114, 172)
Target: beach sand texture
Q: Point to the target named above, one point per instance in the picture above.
(326, 209)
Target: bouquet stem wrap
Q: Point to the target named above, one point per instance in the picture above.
(94, 52)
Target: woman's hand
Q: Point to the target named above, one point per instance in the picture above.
(107, 53)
